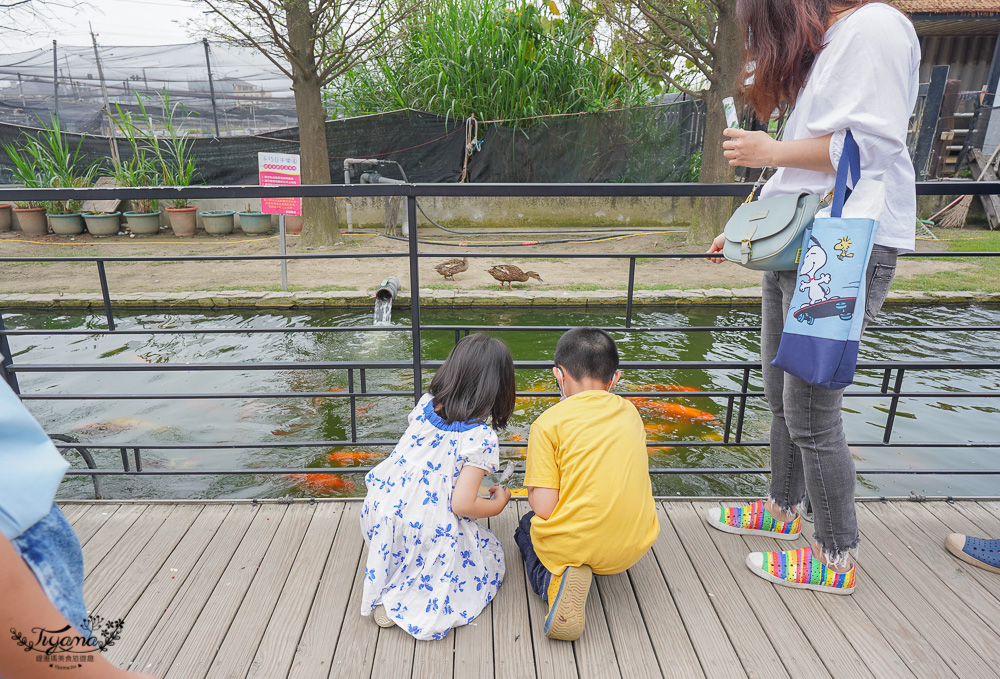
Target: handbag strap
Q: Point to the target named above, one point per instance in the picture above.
(850, 161)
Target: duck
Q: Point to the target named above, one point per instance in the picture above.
(506, 273)
(450, 267)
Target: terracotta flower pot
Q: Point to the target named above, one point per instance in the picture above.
(255, 223)
(183, 220)
(101, 225)
(4, 217)
(293, 224)
(147, 224)
(32, 220)
(218, 222)
(66, 225)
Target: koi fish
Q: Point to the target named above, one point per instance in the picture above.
(117, 424)
(516, 437)
(322, 483)
(656, 433)
(663, 387)
(348, 457)
(292, 428)
(542, 387)
(674, 410)
(658, 450)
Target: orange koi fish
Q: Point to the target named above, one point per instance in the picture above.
(658, 450)
(663, 387)
(322, 483)
(674, 410)
(516, 437)
(348, 457)
(292, 428)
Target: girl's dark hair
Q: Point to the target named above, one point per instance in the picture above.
(782, 39)
(475, 382)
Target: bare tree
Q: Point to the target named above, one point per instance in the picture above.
(694, 47)
(312, 42)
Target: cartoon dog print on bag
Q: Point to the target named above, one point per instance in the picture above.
(815, 285)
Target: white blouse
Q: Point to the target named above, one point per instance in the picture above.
(864, 80)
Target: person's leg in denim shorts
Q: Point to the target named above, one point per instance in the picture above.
(52, 551)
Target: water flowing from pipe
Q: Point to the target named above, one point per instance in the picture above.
(383, 312)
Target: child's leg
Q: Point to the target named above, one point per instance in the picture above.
(538, 575)
(52, 551)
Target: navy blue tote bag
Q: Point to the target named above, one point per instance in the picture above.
(819, 342)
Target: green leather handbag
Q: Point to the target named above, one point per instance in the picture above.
(766, 235)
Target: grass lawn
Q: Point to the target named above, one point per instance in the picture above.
(980, 274)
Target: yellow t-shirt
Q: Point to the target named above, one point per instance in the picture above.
(591, 447)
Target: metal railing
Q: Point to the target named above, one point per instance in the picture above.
(892, 372)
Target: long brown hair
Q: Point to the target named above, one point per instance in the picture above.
(782, 39)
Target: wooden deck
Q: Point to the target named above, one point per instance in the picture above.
(224, 590)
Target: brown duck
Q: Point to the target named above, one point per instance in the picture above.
(450, 267)
(508, 273)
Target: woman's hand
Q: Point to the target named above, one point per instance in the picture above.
(750, 149)
(717, 244)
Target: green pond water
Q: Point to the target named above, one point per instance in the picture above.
(941, 418)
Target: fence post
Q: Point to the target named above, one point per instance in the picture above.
(105, 294)
(631, 288)
(893, 405)
(411, 216)
(7, 360)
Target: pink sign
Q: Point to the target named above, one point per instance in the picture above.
(279, 169)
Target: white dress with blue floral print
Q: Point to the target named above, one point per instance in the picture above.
(430, 568)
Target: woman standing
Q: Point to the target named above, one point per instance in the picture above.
(839, 66)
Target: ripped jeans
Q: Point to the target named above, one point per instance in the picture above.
(808, 448)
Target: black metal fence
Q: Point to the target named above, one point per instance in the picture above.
(893, 372)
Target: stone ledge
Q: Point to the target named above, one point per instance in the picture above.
(245, 299)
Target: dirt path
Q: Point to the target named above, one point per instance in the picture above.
(366, 273)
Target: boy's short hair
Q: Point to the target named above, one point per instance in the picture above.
(588, 352)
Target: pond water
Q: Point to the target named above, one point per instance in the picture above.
(136, 422)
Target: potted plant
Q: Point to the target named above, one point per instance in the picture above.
(218, 222)
(177, 167)
(102, 224)
(4, 217)
(139, 170)
(46, 160)
(254, 222)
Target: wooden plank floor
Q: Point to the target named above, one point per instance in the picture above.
(272, 590)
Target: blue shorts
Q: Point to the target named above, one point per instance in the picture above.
(52, 551)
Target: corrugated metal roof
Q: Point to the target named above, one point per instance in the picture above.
(971, 7)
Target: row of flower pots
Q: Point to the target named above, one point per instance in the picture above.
(183, 222)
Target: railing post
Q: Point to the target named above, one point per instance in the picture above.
(411, 216)
(893, 405)
(105, 294)
(353, 405)
(7, 360)
(631, 288)
(744, 385)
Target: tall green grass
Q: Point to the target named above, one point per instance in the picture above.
(493, 59)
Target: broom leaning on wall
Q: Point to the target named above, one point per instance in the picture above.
(954, 215)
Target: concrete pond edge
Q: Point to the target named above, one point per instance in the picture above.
(242, 299)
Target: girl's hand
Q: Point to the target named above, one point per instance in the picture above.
(717, 244)
(749, 149)
(500, 494)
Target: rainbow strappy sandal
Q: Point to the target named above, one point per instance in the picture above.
(799, 568)
(752, 520)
